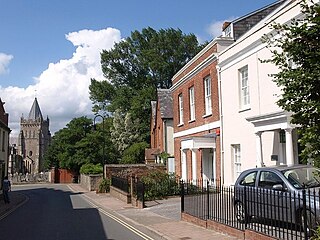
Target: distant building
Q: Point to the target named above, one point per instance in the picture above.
(34, 139)
(161, 130)
(4, 142)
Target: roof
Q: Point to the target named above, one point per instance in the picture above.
(151, 152)
(3, 115)
(165, 103)
(35, 112)
(282, 167)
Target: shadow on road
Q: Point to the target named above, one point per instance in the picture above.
(53, 213)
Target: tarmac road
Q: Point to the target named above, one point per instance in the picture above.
(54, 212)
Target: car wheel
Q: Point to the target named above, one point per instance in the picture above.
(311, 222)
(240, 212)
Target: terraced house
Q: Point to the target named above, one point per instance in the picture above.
(197, 104)
(4, 142)
(256, 131)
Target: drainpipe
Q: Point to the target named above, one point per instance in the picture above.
(221, 125)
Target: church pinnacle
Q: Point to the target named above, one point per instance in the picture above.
(35, 112)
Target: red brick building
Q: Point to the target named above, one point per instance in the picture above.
(196, 115)
(161, 127)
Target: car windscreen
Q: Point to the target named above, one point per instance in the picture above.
(307, 177)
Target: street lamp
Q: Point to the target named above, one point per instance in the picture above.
(104, 141)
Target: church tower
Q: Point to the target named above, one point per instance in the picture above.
(34, 139)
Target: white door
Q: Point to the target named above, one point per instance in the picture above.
(209, 164)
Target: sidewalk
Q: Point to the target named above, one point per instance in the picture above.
(162, 218)
(16, 200)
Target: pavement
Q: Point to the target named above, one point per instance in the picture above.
(16, 200)
(161, 217)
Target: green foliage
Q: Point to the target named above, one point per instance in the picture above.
(77, 144)
(164, 156)
(104, 185)
(90, 168)
(124, 131)
(136, 67)
(159, 185)
(134, 153)
(296, 52)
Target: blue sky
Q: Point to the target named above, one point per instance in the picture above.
(50, 49)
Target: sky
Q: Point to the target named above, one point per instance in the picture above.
(50, 49)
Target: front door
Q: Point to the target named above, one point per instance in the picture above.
(208, 164)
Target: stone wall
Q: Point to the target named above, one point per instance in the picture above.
(90, 182)
(130, 170)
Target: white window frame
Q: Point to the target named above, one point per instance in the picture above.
(244, 88)
(207, 96)
(192, 104)
(180, 100)
(236, 157)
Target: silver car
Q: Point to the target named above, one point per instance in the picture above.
(281, 193)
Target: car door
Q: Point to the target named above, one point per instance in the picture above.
(273, 197)
(245, 189)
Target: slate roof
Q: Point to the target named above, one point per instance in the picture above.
(165, 103)
(35, 112)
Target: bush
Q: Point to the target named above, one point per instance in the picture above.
(134, 153)
(90, 168)
(104, 185)
(159, 185)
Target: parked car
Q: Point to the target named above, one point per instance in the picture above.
(282, 193)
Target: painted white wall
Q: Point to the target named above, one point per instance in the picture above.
(264, 93)
(170, 139)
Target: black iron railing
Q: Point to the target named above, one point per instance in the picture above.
(278, 214)
(120, 183)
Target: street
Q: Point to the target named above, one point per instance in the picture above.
(54, 212)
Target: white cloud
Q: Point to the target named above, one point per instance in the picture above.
(215, 28)
(4, 62)
(63, 88)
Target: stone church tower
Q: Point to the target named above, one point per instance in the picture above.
(34, 139)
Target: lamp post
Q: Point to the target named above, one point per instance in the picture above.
(104, 141)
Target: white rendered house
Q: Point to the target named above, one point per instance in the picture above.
(255, 131)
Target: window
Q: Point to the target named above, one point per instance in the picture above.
(269, 179)
(3, 140)
(192, 105)
(236, 156)
(207, 95)
(244, 88)
(180, 109)
(249, 179)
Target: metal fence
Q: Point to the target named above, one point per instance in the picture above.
(120, 183)
(278, 214)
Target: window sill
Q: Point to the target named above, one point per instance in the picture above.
(191, 121)
(244, 109)
(207, 115)
(180, 125)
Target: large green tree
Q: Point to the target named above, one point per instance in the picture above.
(296, 51)
(136, 67)
(78, 143)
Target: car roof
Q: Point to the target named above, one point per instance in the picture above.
(282, 167)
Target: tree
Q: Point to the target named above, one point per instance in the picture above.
(134, 153)
(136, 67)
(124, 131)
(296, 51)
(77, 144)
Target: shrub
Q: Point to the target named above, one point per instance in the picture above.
(104, 185)
(90, 168)
(159, 185)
